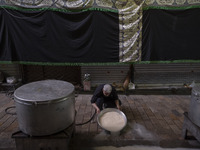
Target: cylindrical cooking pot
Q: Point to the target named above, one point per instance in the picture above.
(194, 109)
(45, 107)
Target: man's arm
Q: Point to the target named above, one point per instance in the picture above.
(95, 96)
(93, 102)
(96, 107)
(117, 104)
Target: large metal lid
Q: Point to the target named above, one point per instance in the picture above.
(45, 90)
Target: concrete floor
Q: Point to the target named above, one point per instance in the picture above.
(154, 122)
(137, 148)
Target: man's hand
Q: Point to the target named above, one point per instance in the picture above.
(119, 107)
(98, 110)
(96, 107)
(117, 104)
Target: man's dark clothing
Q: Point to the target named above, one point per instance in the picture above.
(100, 100)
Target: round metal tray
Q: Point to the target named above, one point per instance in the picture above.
(111, 110)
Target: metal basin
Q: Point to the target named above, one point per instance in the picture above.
(103, 112)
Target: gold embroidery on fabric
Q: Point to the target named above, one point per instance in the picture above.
(193, 1)
(104, 3)
(165, 2)
(149, 2)
(180, 2)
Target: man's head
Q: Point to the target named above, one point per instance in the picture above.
(107, 89)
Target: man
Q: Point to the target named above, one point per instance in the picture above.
(105, 96)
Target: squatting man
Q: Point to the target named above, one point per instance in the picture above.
(105, 96)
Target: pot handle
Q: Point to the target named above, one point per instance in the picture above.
(11, 107)
(197, 98)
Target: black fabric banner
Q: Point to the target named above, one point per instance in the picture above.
(171, 35)
(59, 37)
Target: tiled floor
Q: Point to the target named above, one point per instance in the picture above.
(152, 120)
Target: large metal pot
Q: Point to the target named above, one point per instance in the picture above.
(45, 107)
(194, 109)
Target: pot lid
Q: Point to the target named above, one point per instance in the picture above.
(44, 90)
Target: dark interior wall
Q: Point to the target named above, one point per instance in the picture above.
(171, 74)
(59, 37)
(70, 74)
(171, 35)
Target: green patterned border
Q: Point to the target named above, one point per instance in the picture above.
(99, 64)
(171, 7)
(61, 64)
(168, 62)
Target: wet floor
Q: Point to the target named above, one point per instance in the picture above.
(138, 148)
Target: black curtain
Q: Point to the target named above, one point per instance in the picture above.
(52, 36)
(171, 35)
